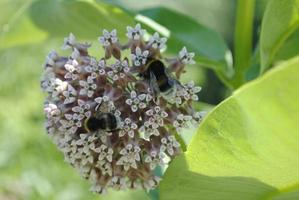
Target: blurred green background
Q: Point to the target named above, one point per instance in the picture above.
(30, 165)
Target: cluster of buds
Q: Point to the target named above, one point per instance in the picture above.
(146, 123)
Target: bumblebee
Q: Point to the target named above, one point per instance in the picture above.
(104, 121)
(160, 81)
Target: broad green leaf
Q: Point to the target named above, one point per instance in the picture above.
(210, 48)
(37, 20)
(247, 147)
(281, 19)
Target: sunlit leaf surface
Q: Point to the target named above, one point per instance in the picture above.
(247, 147)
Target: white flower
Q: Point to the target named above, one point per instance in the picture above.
(169, 144)
(118, 183)
(73, 69)
(108, 38)
(139, 58)
(191, 91)
(71, 123)
(69, 94)
(96, 68)
(104, 159)
(51, 58)
(135, 33)
(83, 108)
(118, 70)
(182, 121)
(105, 153)
(88, 87)
(75, 54)
(58, 87)
(198, 117)
(156, 42)
(156, 115)
(138, 101)
(130, 154)
(127, 127)
(69, 41)
(155, 120)
(81, 152)
(97, 188)
(155, 158)
(52, 112)
(48, 82)
(185, 57)
(151, 183)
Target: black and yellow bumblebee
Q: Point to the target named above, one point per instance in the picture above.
(160, 80)
(102, 121)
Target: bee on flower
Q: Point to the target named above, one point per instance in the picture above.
(115, 118)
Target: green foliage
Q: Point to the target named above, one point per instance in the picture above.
(281, 20)
(35, 21)
(247, 147)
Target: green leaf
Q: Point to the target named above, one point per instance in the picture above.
(37, 20)
(210, 48)
(281, 19)
(289, 49)
(247, 147)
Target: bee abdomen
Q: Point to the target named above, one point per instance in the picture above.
(92, 124)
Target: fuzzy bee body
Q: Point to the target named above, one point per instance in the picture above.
(160, 81)
(104, 121)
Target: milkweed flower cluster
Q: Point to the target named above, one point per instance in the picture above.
(148, 124)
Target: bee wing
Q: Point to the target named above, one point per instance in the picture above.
(153, 84)
(176, 82)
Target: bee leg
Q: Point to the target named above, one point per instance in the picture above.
(98, 106)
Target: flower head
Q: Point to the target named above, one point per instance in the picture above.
(69, 41)
(186, 57)
(138, 101)
(130, 157)
(140, 57)
(135, 33)
(105, 114)
(88, 86)
(119, 70)
(156, 42)
(96, 69)
(108, 38)
(128, 127)
(73, 70)
(169, 145)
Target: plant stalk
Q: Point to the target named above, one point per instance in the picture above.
(243, 40)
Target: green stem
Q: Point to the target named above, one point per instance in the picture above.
(179, 138)
(243, 39)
